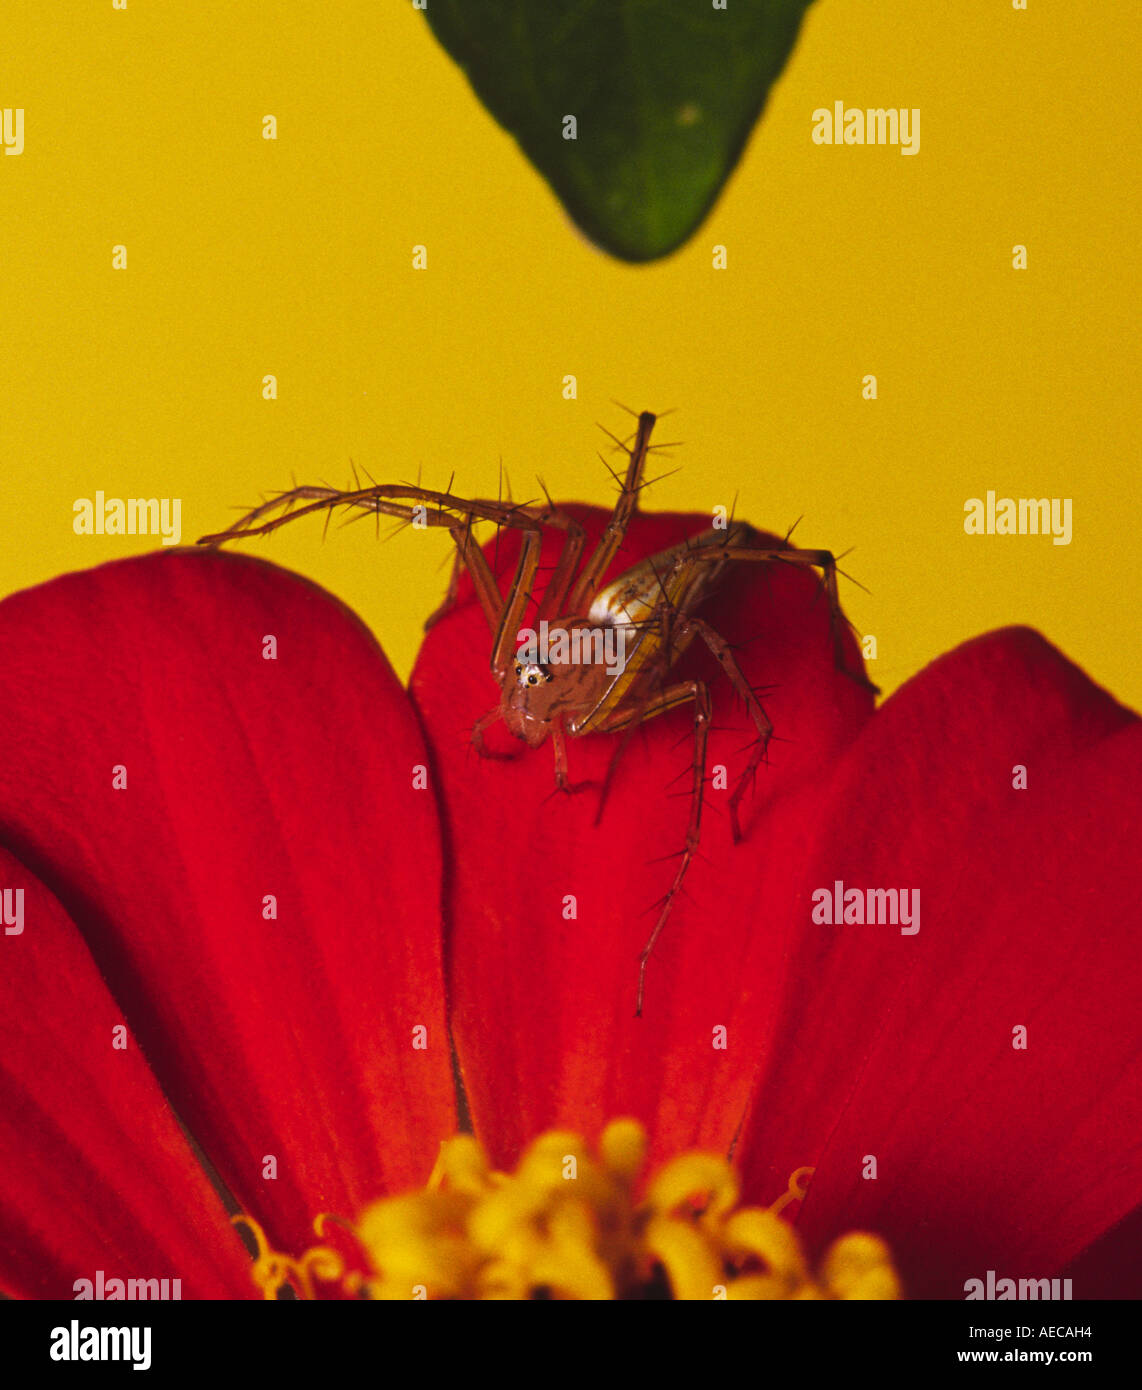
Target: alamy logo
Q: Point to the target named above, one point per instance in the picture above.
(880, 125)
(75, 1343)
(12, 129)
(582, 646)
(12, 910)
(143, 1290)
(137, 516)
(1053, 1290)
(1023, 516)
(874, 906)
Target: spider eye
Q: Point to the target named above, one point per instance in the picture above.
(532, 680)
(518, 668)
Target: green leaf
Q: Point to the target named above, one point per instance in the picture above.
(664, 94)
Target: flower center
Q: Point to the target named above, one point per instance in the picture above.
(568, 1224)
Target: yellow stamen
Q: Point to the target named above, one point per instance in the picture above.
(273, 1271)
(567, 1225)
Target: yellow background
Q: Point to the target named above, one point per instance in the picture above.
(294, 257)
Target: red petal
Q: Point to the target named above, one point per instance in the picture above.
(543, 1007)
(246, 777)
(97, 1174)
(901, 1046)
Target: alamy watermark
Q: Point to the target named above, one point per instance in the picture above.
(12, 911)
(1053, 1290)
(839, 906)
(602, 645)
(12, 129)
(133, 516)
(144, 1290)
(76, 1343)
(857, 125)
(1022, 516)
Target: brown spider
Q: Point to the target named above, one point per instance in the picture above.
(647, 614)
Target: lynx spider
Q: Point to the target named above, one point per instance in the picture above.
(654, 600)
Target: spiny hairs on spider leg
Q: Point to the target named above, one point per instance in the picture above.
(616, 645)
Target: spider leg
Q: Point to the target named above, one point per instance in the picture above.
(427, 508)
(670, 698)
(423, 506)
(477, 740)
(560, 581)
(715, 552)
(561, 576)
(503, 647)
(563, 781)
(616, 528)
(469, 554)
(448, 602)
(284, 502)
(644, 673)
(722, 651)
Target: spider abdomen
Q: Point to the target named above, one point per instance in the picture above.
(640, 591)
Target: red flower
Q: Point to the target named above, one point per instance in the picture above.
(265, 901)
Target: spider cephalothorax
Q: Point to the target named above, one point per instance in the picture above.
(531, 698)
(603, 656)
